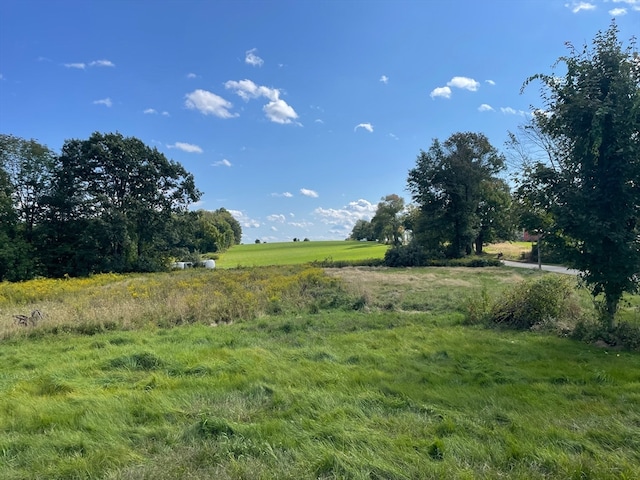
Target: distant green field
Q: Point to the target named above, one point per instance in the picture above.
(292, 253)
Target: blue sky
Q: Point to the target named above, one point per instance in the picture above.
(297, 116)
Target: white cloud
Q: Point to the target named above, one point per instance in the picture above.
(246, 90)
(319, 120)
(276, 218)
(304, 224)
(464, 83)
(395, 137)
(165, 114)
(513, 111)
(485, 108)
(186, 147)
(192, 75)
(102, 63)
(308, 193)
(490, 82)
(244, 219)
(618, 12)
(347, 216)
(579, 6)
(444, 92)
(252, 59)
(277, 110)
(209, 103)
(222, 163)
(150, 111)
(367, 126)
(1, 77)
(273, 229)
(95, 63)
(284, 194)
(384, 79)
(105, 101)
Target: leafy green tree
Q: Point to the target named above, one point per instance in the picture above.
(447, 186)
(362, 230)
(592, 114)
(386, 224)
(111, 205)
(216, 231)
(29, 168)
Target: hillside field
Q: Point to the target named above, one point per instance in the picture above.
(293, 253)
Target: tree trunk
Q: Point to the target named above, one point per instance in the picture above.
(479, 243)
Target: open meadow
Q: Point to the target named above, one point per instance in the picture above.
(300, 372)
(292, 253)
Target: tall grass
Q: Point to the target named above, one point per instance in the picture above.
(298, 373)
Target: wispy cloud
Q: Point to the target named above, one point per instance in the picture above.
(441, 92)
(580, 6)
(618, 12)
(191, 75)
(384, 79)
(150, 111)
(277, 110)
(186, 147)
(252, 59)
(283, 194)
(395, 137)
(309, 193)
(222, 163)
(367, 126)
(102, 63)
(513, 111)
(276, 218)
(105, 101)
(95, 63)
(209, 103)
(244, 219)
(490, 82)
(485, 108)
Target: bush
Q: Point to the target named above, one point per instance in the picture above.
(411, 255)
(541, 302)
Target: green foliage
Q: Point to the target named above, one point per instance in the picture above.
(592, 116)
(362, 230)
(413, 255)
(455, 187)
(547, 300)
(386, 224)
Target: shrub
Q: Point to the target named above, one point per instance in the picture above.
(411, 255)
(543, 301)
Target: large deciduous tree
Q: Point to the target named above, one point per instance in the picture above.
(28, 166)
(448, 184)
(111, 205)
(592, 114)
(386, 224)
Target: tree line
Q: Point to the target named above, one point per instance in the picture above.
(578, 187)
(106, 204)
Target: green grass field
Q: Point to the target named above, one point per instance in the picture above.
(295, 372)
(293, 253)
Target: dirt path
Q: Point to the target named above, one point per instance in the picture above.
(548, 268)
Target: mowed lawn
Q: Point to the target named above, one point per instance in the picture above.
(293, 253)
